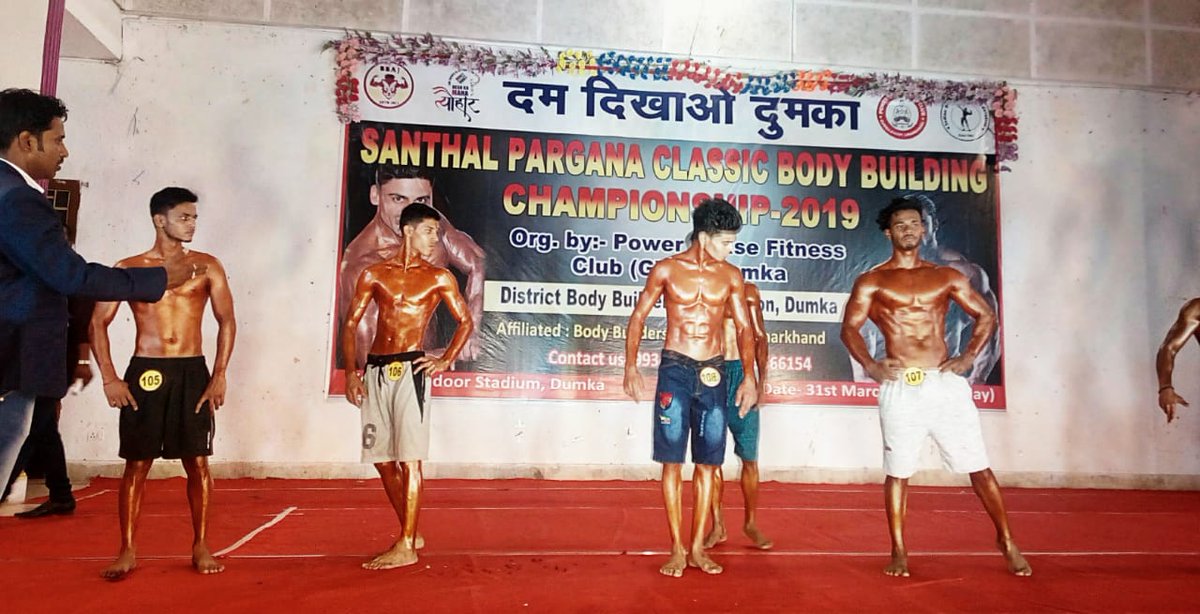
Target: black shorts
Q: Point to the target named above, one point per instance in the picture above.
(166, 423)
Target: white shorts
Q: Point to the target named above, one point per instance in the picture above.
(395, 425)
(940, 406)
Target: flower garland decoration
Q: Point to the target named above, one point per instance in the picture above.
(345, 85)
(576, 61)
(1004, 109)
(356, 48)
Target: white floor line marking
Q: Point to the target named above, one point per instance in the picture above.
(749, 552)
(655, 486)
(374, 488)
(382, 507)
(761, 508)
(722, 553)
(263, 527)
(95, 494)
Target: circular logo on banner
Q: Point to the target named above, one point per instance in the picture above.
(900, 117)
(395, 370)
(150, 380)
(710, 377)
(914, 376)
(966, 122)
(388, 86)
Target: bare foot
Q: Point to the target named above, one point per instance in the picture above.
(1016, 561)
(203, 561)
(675, 565)
(716, 536)
(121, 568)
(760, 541)
(700, 559)
(898, 566)
(419, 541)
(397, 556)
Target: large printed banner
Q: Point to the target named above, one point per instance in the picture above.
(560, 192)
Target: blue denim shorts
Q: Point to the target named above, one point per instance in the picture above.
(690, 400)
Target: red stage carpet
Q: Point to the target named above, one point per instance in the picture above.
(541, 546)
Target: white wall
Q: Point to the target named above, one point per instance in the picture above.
(1099, 250)
(23, 31)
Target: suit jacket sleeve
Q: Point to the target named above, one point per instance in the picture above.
(32, 238)
(80, 312)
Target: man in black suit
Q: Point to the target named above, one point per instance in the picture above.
(39, 270)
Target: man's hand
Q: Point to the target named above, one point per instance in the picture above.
(214, 394)
(430, 364)
(746, 398)
(117, 392)
(634, 385)
(356, 392)
(1167, 400)
(961, 364)
(441, 351)
(82, 374)
(885, 370)
(180, 272)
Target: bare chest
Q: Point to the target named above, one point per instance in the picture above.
(699, 289)
(407, 290)
(908, 290)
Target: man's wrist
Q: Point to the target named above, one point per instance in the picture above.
(1167, 387)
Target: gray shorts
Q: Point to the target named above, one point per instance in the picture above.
(395, 416)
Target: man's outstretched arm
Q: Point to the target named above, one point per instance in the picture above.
(1185, 326)
(34, 243)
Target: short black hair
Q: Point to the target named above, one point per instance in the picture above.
(167, 198)
(714, 215)
(23, 110)
(416, 213)
(903, 203)
(387, 172)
